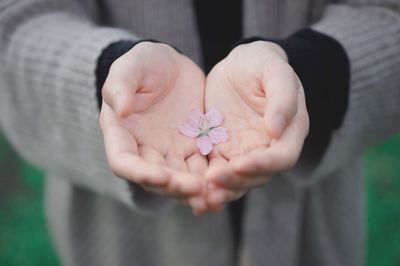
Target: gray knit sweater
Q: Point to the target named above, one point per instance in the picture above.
(312, 215)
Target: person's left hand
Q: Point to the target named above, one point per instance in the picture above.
(263, 102)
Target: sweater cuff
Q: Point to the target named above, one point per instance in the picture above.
(323, 68)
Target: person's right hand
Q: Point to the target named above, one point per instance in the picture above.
(148, 92)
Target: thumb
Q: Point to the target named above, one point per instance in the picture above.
(123, 101)
(281, 89)
(119, 92)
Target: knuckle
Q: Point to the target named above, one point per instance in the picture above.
(237, 183)
(260, 165)
(117, 66)
(219, 69)
(174, 189)
(273, 67)
(282, 68)
(286, 69)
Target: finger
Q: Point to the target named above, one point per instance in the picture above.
(120, 88)
(176, 162)
(217, 197)
(135, 169)
(198, 204)
(197, 164)
(238, 182)
(196, 211)
(283, 153)
(220, 173)
(281, 86)
(183, 184)
(180, 186)
(217, 164)
(121, 150)
(214, 198)
(152, 156)
(226, 177)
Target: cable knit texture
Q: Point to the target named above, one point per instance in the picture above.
(312, 215)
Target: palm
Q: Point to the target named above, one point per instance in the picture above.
(243, 111)
(170, 98)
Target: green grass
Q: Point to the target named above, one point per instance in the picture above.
(24, 238)
(382, 169)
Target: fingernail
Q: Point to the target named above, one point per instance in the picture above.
(278, 124)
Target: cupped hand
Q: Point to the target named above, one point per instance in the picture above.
(149, 91)
(266, 119)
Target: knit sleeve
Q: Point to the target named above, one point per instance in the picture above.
(48, 105)
(369, 31)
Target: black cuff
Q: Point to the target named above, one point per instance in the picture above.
(324, 70)
(107, 57)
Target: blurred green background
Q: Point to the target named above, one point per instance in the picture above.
(24, 238)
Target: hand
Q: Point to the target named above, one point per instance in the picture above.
(147, 94)
(265, 116)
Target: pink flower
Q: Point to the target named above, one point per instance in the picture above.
(206, 128)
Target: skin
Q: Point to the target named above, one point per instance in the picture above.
(151, 90)
(147, 94)
(265, 116)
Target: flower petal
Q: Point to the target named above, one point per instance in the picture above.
(214, 117)
(195, 118)
(218, 135)
(188, 130)
(205, 145)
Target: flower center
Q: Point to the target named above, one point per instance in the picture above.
(204, 127)
(204, 132)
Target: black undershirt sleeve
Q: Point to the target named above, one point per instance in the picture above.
(219, 24)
